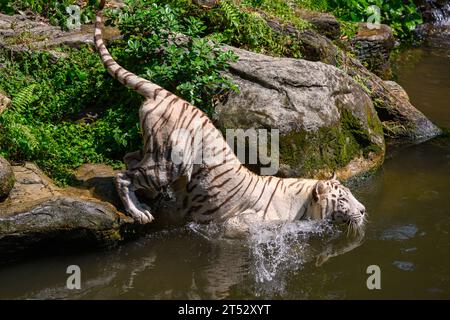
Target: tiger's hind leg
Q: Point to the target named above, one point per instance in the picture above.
(133, 159)
(125, 185)
(144, 173)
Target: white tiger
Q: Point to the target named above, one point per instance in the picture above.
(212, 190)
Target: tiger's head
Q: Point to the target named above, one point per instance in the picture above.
(333, 201)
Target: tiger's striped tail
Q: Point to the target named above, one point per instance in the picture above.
(129, 79)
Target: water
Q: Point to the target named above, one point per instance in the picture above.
(425, 75)
(407, 236)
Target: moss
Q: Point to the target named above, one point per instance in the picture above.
(348, 28)
(362, 83)
(328, 148)
(309, 152)
(374, 122)
(109, 237)
(25, 38)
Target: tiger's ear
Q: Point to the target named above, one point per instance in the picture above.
(334, 177)
(319, 189)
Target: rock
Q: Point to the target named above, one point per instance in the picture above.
(114, 3)
(325, 119)
(397, 90)
(312, 45)
(395, 129)
(434, 11)
(373, 45)
(20, 33)
(436, 19)
(411, 124)
(324, 23)
(5, 102)
(99, 179)
(60, 218)
(207, 4)
(6, 178)
(38, 213)
(31, 185)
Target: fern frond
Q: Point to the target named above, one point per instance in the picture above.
(24, 98)
(231, 12)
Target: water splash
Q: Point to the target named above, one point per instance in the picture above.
(277, 248)
(210, 232)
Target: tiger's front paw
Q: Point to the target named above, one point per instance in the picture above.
(142, 215)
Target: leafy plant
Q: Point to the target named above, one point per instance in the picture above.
(401, 15)
(49, 103)
(24, 98)
(55, 11)
(242, 24)
(71, 111)
(167, 48)
(281, 9)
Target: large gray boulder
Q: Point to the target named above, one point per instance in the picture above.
(325, 23)
(410, 124)
(326, 120)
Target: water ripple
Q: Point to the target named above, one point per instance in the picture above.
(402, 232)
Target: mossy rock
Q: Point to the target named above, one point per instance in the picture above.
(6, 178)
(330, 149)
(38, 214)
(325, 119)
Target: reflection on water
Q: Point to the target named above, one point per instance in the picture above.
(193, 262)
(407, 236)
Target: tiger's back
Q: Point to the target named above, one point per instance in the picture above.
(186, 156)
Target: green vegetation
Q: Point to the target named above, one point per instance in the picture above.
(55, 11)
(69, 111)
(280, 9)
(244, 24)
(317, 5)
(49, 120)
(189, 66)
(401, 15)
